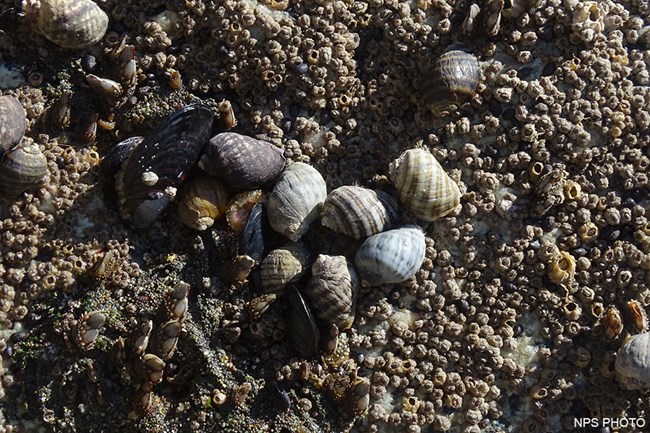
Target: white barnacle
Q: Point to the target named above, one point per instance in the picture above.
(149, 178)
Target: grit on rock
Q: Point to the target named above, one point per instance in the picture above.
(431, 215)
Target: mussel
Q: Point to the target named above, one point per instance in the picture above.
(160, 164)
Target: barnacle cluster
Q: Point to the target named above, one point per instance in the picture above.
(526, 311)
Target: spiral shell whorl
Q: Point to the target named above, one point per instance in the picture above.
(633, 362)
(20, 169)
(296, 200)
(13, 122)
(242, 162)
(423, 186)
(359, 212)
(453, 80)
(332, 290)
(72, 23)
(391, 257)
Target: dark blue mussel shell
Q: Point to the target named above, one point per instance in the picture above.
(170, 151)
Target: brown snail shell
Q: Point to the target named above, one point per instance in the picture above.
(242, 162)
(72, 23)
(359, 212)
(423, 186)
(283, 266)
(21, 168)
(391, 257)
(296, 200)
(203, 202)
(451, 82)
(13, 122)
(632, 364)
(240, 207)
(332, 290)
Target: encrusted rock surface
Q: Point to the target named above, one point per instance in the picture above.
(513, 321)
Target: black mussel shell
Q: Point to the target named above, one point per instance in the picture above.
(170, 152)
(112, 163)
(251, 240)
(242, 162)
(302, 330)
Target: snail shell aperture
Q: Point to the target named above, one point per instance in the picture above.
(452, 81)
(391, 257)
(72, 23)
(423, 186)
(296, 200)
(202, 202)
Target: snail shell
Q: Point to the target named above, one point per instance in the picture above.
(332, 290)
(21, 168)
(296, 200)
(283, 266)
(242, 162)
(13, 122)
(72, 23)
(423, 186)
(391, 257)
(159, 165)
(202, 202)
(359, 212)
(452, 81)
(240, 207)
(632, 365)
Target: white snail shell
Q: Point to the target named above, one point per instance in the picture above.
(296, 200)
(391, 257)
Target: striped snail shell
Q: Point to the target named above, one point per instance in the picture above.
(452, 81)
(296, 200)
(423, 186)
(283, 266)
(242, 162)
(632, 364)
(391, 257)
(202, 202)
(72, 23)
(332, 290)
(21, 168)
(359, 212)
(13, 122)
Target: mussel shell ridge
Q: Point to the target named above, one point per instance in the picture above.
(169, 152)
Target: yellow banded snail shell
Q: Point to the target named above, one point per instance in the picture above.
(72, 23)
(202, 202)
(332, 290)
(632, 364)
(242, 162)
(296, 200)
(423, 185)
(283, 266)
(451, 82)
(391, 257)
(21, 168)
(359, 212)
(13, 122)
